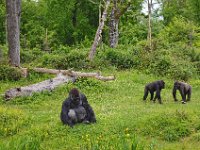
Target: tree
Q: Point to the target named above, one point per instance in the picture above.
(115, 15)
(13, 31)
(99, 31)
(149, 3)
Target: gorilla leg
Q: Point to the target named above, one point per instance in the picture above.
(183, 95)
(189, 95)
(146, 91)
(152, 94)
(158, 96)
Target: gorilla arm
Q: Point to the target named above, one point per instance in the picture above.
(158, 90)
(64, 113)
(90, 117)
(174, 94)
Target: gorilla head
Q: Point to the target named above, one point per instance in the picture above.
(75, 96)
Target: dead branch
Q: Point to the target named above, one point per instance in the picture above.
(47, 85)
(75, 73)
(63, 76)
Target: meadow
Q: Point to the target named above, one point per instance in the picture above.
(124, 120)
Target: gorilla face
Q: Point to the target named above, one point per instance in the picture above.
(176, 85)
(75, 99)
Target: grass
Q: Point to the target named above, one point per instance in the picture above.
(124, 121)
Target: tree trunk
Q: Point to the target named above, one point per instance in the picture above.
(63, 76)
(13, 33)
(76, 74)
(115, 15)
(47, 85)
(149, 39)
(113, 28)
(99, 31)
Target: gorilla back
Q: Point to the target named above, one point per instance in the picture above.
(155, 86)
(184, 89)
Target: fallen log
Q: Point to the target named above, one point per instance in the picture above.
(63, 76)
(47, 85)
(76, 74)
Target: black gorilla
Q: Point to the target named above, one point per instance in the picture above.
(152, 87)
(76, 109)
(184, 89)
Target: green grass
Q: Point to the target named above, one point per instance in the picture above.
(124, 121)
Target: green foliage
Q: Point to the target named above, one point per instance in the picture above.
(119, 59)
(73, 59)
(2, 22)
(169, 126)
(9, 73)
(12, 120)
(179, 29)
(28, 56)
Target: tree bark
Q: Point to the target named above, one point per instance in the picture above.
(113, 27)
(115, 15)
(99, 31)
(13, 33)
(47, 85)
(63, 76)
(149, 38)
(96, 75)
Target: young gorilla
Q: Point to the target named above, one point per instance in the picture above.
(152, 87)
(184, 89)
(76, 109)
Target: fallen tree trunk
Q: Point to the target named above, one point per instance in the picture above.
(47, 85)
(96, 75)
(63, 76)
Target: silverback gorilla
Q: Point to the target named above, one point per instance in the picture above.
(76, 109)
(155, 86)
(184, 89)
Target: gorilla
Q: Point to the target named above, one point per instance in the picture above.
(76, 109)
(184, 89)
(155, 86)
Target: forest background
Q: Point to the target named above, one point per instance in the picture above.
(162, 43)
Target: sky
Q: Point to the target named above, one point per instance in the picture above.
(145, 8)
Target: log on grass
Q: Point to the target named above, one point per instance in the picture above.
(47, 85)
(96, 75)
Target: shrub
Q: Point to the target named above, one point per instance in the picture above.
(9, 73)
(73, 59)
(27, 56)
(119, 58)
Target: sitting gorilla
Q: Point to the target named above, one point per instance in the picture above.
(76, 109)
(152, 87)
(184, 89)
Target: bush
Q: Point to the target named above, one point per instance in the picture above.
(9, 73)
(27, 56)
(121, 59)
(74, 59)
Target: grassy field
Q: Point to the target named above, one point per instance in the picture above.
(124, 121)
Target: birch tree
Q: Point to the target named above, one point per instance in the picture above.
(99, 31)
(149, 39)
